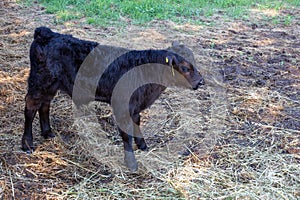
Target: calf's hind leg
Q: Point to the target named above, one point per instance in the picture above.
(32, 104)
(44, 118)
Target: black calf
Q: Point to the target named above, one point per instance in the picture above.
(55, 60)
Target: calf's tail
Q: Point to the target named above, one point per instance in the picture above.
(43, 34)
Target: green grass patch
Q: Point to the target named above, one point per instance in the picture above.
(122, 12)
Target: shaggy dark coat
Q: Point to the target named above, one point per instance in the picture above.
(55, 60)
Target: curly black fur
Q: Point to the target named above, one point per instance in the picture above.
(55, 60)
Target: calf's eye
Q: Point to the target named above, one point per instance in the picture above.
(185, 69)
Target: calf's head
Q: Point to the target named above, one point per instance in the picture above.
(186, 69)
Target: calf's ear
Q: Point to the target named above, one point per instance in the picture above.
(171, 60)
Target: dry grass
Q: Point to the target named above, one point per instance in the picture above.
(238, 138)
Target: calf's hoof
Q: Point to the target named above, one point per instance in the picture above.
(141, 144)
(130, 161)
(27, 145)
(48, 134)
(143, 147)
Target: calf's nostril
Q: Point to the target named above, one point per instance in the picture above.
(201, 82)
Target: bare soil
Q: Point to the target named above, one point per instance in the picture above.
(251, 102)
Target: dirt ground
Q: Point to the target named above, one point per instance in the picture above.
(247, 117)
